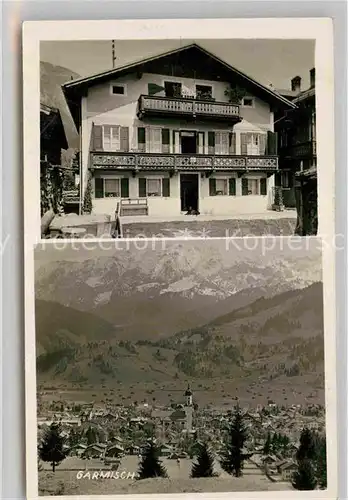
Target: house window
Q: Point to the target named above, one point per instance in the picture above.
(204, 92)
(111, 138)
(222, 143)
(153, 187)
(111, 188)
(153, 140)
(248, 102)
(106, 187)
(141, 140)
(286, 179)
(118, 89)
(172, 89)
(221, 187)
(253, 144)
(254, 187)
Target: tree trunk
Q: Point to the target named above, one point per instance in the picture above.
(53, 466)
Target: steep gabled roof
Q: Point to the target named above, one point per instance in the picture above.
(74, 89)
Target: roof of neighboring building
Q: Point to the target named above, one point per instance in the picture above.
(308, 173)
(74, 89)
(304, 95)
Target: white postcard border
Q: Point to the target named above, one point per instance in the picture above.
(319, 29)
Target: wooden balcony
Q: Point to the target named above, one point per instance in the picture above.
(180, 107)
(181, 162)
(305, 150)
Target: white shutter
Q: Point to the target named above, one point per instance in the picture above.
(200, 143)
(115, 138)
(177, 148)
(224, 143)
(218, 143)
(153, 140)
(107, 138)
(157, 140)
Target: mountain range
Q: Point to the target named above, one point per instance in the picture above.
(51, 79)
(177, 314)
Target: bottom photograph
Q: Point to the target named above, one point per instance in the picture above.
(180, 366)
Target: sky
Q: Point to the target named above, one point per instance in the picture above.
(273, 62)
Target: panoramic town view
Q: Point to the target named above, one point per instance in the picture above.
(186, 366)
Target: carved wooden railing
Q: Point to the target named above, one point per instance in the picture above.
(177, 162)
(301, 150)
(183, 106)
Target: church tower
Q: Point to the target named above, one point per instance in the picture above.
(188, 408)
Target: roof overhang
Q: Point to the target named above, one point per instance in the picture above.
(74, 90)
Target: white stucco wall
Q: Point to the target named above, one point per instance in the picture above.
(208, 205)
(101, 107)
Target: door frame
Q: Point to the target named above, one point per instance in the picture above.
(195, 132)
(198, 187)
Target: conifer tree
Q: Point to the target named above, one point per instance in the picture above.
(150, 464)
(321, 470)
(51, 448)
(304, 478)
(87, 201)
(204, 466)
(232, 457)
(268, 445)
(307, 448)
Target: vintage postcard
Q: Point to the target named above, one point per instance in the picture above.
(182, 367)
(190, 137)
(179, 259)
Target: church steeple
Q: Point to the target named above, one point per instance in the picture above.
(188, 396)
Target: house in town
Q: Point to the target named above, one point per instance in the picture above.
(297, 176)
(177, 132)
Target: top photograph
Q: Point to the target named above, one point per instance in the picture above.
(178, 138)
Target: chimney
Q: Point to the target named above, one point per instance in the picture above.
(296, 84)
(312, 77)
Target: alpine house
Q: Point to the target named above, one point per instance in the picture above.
(180, 131)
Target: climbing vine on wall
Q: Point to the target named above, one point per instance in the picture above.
(87, 201)
(51, 184)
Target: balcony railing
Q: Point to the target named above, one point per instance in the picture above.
(190, 108)
(302, 150)
(179, 162)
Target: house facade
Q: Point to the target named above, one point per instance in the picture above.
(297, 176)
(177, 132)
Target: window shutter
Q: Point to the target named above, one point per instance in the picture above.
(263, 186)
(99, 187)
(262, 139)
(125, 187)
(232, 143)
(165, 140)
(97, 138)
(244, 144)
(218, 143)
(141, 139)
(211, 142)
(212, 187)
(112, 136)
(154, 140)
(232, 186)
(124, 139)
(272, 146)
(244, 186)
(153, 88)
(142, 187)
(166, 187)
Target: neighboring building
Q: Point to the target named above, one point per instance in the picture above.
(298, 157)
(176, 131)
